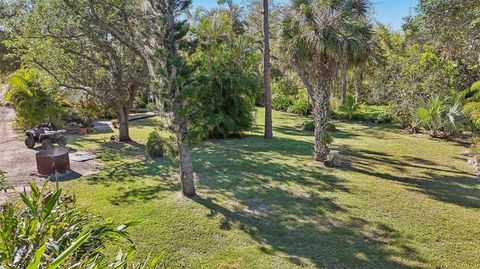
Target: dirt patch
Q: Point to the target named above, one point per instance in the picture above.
(18, 161)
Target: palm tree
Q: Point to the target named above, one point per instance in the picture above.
(315, 34)
(355, 57)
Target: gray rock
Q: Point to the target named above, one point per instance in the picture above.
(334, 159)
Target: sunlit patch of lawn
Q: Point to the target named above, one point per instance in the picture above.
(400, 201)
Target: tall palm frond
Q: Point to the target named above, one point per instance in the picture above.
(312, 31)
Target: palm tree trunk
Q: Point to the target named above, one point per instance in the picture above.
(344, 81)
(358, 83)
(321, 108)
(266, 73)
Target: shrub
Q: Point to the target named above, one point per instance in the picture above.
(309, 125)
(331, 127)
(49, 231)
(437, 115)
(454, 119)
(140, 103)
(284, 91)
(154, 145)
(281, 101)
(225, 81)
(367, 113)
(301, 104)
(471, 109)
(33, 99)
(350, 106)
(88, 109)
(151, 107)
(288, 95)
(472, 126)
(429, 114)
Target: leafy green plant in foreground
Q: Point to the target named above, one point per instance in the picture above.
(49, 231)
(4, 186)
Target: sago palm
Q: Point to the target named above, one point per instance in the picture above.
(315, 34)
(429, 114)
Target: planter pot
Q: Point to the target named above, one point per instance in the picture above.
(82, 131)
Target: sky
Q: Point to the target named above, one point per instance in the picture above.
(389, 12)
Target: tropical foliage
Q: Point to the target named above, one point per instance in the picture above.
(429, 114)
(4, 186)
(472, 102)
(49, 231)
(315, 35)
(82, 50)
(350, 106)
(289, 95)
(33, 98)
(225, 79)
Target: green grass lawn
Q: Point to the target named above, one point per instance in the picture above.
(401, 201)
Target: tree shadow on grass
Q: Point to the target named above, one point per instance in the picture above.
(267, 189)
(311, 238)
(258, 186)
(441, 182)
(118, 151)
(138, 181)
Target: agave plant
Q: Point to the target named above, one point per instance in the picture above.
(350, 106)
(429, 114)
(49, 231)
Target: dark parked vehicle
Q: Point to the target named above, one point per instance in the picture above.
(47, 134)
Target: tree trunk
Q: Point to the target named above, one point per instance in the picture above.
(124, 111)
(358, 83)
(266, 72)
(184, 153)
(344, 81)
(319, 96)
(123, 129)
(321, 114)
